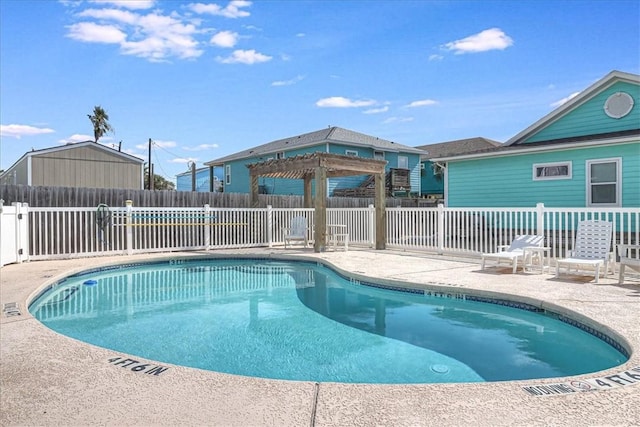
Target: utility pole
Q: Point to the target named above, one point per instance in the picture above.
(193, 176)
(150, 168)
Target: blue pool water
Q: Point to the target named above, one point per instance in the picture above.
(303, 321)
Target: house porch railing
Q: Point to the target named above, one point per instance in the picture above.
(53, 233)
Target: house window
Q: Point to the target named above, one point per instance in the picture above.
(604, 182)
(547, 171)
(353, 153)
(227, 174)
(280, 155)
(378, 155)
(403, 162)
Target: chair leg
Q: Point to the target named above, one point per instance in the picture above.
(515, 265)
(482, 265)
(597, 273)
(621, 277)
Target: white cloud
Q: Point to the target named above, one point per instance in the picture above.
(436, 57)
(224, 39)
(288, 82)
(231, 11)
(377, 110)
(341, 102)
(95, 33)
(244, 57)
(398, 120)
(18, 131)
(111, 14)
(491, 39)
(565, 100)
(153, 36)
(76, 137)
(184, 160)
(128, 4)
(202, 147)
(422, 103)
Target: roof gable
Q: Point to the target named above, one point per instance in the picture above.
(585, 114)
(334, 135)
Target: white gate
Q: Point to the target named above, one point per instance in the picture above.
(14, 238)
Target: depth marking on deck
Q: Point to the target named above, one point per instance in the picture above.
(137, 366)
(607, 382)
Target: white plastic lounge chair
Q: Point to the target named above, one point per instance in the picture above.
(592, 247)
(297, 231)
(515, 251)
(628, 260)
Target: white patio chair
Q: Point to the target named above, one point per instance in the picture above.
(592, 247)
(515, 251)
(628, 260)
(297, 231)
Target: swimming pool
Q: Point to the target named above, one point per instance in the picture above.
(303, 321)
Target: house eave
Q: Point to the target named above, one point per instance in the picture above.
(542, 148)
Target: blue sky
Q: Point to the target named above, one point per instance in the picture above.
(208, 79)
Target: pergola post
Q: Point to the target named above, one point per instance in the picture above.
(308, 201)
(253, 199)
(381, 211)
(320, 215)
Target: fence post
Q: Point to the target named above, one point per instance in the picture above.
(207, 227)
(540, 219)
(22, 232)
(129, 227)
(440, 229)
(372, 226)
(270, 225)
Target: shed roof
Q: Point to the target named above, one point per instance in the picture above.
(333, 134)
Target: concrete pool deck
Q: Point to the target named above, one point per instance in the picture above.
(47, 379)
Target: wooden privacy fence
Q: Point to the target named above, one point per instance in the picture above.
(49, 233)
(64, 197)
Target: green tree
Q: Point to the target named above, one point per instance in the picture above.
(100, 121)
(159, 182)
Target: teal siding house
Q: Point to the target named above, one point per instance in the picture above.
(586, 153)
(206, 181)
(432, 171)
(334, 140)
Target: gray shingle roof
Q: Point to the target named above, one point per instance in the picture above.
(459, 146)
(329, 135)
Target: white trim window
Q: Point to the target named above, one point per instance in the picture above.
(227, 174)
(549, 171)
(378, 155)
(604, 182)
(403, 162)
(280, 155)
(352, 153)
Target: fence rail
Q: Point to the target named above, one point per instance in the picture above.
(35, 233)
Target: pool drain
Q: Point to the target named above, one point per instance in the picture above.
(440, 369)
(11, 309)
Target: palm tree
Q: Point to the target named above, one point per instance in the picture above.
(100, 121)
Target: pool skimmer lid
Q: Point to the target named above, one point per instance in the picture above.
(440, 369)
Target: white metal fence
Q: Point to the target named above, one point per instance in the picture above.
(49, 233)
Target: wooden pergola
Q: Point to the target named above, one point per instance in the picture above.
(320, 166)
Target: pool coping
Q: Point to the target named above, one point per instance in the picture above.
(292, 403)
